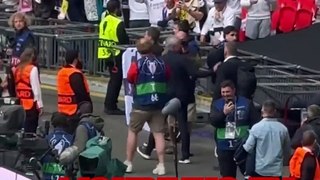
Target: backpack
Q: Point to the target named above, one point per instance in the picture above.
(93, 129)
(246, 80)
(96, 160)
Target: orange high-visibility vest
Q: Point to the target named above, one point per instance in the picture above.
(23, 86)
(296, 161)
(67, 102)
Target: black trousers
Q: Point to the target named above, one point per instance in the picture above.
(182, 118)
(151, 144)
(126, 17)
(31, 121)
(139, 23)
(114, 85)
(227, 165)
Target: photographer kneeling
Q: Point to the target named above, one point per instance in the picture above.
(68, 145)
(89, 127)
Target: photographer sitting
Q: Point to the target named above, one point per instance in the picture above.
(59, 140)
(89, 127)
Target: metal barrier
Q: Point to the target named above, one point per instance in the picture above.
(46, 33)
(281, 81)
(277, 84)
(87, 44)
(4, 15)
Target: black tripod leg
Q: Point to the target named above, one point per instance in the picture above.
(16, 161)
(172, 134)
(175, 150)
(37, 174)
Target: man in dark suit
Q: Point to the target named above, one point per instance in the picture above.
(228, 69)
(216, 56)
(180, 86)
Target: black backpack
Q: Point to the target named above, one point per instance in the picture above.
(246, 80)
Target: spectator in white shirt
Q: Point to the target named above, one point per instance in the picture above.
(155, 8)
(219, 17)
(233, 4)
(258, 23)
(139, 16)
(169, 14)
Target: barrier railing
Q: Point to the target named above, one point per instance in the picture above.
(281, 81)
(276, 79)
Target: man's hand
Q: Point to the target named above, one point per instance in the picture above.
(203, 39)
(9, 51)
(68, 155)
(215, 67)
(215, 41)
(228, 108)
(182, 6)
(40, 111)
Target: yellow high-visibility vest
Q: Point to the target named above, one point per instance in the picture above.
(108, 37)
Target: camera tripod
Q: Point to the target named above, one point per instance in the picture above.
(172, 125)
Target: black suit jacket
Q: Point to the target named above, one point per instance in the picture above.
(182, 73)
(227, 71)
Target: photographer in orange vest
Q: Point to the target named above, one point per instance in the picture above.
(72, 85)
(304, 164)
(28, 90)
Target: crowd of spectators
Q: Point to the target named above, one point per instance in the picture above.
(255, 19)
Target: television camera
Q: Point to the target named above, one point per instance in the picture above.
(13, 137)
(31, 148)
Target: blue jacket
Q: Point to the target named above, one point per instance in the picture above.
(20, 42)
(243, 117)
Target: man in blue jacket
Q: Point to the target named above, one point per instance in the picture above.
(232, 116)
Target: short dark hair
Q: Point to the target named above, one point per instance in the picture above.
(227, 83)
(154, 33)
(269, 106)
(59, 120)
(308, 138)
(228, 30)
(113, 5)
(231, 47)
(184, 26)
(71, 55)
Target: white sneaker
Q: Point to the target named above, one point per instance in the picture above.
(129, 166)
(184, 161)
(159, 170)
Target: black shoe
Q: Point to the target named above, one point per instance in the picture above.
(142, 152)
(169, 150)
(114, 112)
